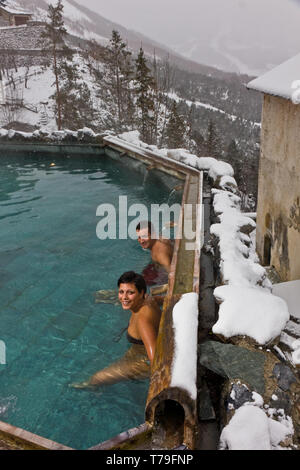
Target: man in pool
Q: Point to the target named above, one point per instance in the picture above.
(142, 333)
(156, 273)
(161, 248)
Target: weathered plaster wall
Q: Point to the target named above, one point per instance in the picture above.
(278, 211)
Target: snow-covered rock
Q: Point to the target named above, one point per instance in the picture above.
(251, 311)
(251, 429)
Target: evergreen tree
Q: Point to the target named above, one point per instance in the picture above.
(175, 129)
(2, 3)
(213, 142)
(118, 78)
(165, 82)
(232, 154)
(54, 35)
(144, 84)
(75, 98)
(127, 102)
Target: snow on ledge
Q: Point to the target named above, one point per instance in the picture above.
(185, 323)
(236, 265)
(251, 311)
(221, 172)
(247, 305)
(216, 168)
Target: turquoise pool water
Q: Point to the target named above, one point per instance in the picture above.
(51, 264)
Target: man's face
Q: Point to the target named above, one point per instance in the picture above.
(144, 238)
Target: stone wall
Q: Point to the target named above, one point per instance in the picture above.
(22, 37)
(278, 211)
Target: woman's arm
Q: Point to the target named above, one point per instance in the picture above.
(148, 334)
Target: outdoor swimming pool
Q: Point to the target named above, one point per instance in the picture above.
(51, 265)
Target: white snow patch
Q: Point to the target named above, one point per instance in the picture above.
(248, 429)
(251, 429)
(257, 399)
(296, 356)
(296, 92)
(250, 311)
(185, 322)
(247, 305)
(237, 264)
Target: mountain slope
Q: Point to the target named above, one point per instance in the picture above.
(248, 36)
(210, 102)
(85, 23)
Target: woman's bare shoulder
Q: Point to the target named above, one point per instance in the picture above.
(150, 306)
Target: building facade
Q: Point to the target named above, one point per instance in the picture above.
(13, 17)
(278, 208)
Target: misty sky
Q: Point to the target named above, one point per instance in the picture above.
(271, 26)
(172, 19)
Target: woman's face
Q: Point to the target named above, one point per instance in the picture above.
(129, 296)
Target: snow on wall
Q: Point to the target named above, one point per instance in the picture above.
(247, 305)
(216, 168)
(185, 323)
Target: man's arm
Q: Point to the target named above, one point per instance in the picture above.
(163, 256)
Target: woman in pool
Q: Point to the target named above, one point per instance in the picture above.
(141, 333)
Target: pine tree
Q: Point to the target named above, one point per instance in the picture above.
(118, 78)
(127, 101)
(2, 3)
(175, 129)
(75, 98)
(166, 80)
(144, 84)
(213, 142)
(54, 35)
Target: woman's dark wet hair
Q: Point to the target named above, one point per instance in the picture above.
(130, 277)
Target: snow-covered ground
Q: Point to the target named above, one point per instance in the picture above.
(37, 94)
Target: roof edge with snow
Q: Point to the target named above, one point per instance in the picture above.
(281, 81)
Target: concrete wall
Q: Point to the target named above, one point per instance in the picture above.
(278, 212)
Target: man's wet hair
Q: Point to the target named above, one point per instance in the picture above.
(144, 224)
(130, 277)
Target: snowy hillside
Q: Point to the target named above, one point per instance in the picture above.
(38, 109)
(87, 24)
(215, 114)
